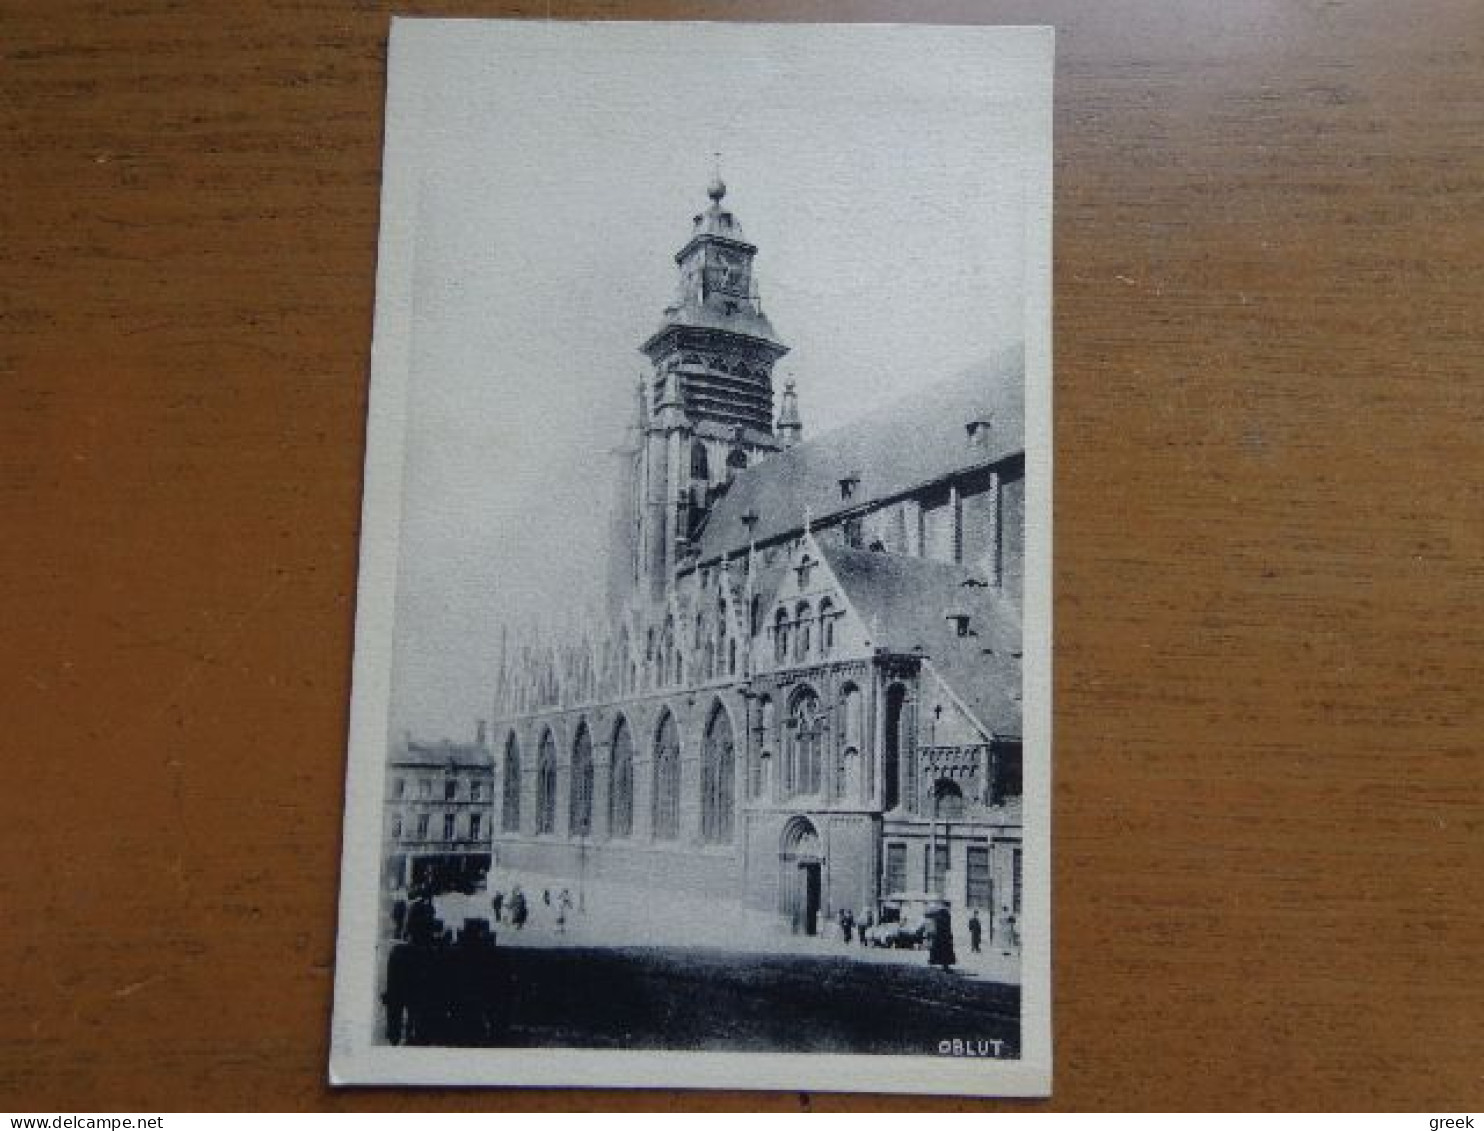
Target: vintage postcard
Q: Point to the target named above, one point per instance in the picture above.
(701, 720)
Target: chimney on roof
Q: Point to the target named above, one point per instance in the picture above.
(978, 426)
(481, 732)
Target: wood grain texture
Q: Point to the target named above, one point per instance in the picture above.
(1269, 796)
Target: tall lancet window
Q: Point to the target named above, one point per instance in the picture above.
(805, 739)
(621, 782)
(510, 799)
(718, 779)
(580, 803)
(546, 786)
(667, 780)
(801, 641)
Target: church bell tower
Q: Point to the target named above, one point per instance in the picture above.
(710, 391)
(715, 334)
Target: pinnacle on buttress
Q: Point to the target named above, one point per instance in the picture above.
(790, 429)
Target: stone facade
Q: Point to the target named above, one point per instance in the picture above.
(806, 688)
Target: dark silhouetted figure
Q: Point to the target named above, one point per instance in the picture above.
(518, 910)
(976, 931)
(940, 952)
(497, 903)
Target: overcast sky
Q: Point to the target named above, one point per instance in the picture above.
(882, 173)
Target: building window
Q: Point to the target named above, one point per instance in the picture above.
(422, 826)
(450, 789)
(580, 806)
(449, 823)
(780, 636)
(826, 627)
(667, 780)
(718, 777)
(425, 789)
(476, 790)
(801, 641)
(699, 465)
(399, 788)
(546, 786)
(397, 827)
(510, 802)
(948, 800)
(850, 715)
(896, 869)
(980, 892)
(474, 826)
(802, 762)
(1016, 864)
(940, 869)
(621, 783)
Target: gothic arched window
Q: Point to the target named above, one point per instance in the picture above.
(948, 800)
(667, 780)
(850, 712)
(546, 786)
(805, 739)
(801, 643)
(698, 461)
(780, 636)
(621, 782)
(580, 799)
(826, 627)
(718, 777)
(510, 800)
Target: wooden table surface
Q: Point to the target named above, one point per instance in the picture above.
(1270, 547)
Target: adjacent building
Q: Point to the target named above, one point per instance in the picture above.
(437, 831)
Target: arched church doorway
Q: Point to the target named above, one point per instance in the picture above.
(800, 876)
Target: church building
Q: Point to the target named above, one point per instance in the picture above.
(805, 695)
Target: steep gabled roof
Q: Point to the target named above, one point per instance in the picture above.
(916, 440)
(908, 605)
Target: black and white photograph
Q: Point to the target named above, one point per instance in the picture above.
(700, 732)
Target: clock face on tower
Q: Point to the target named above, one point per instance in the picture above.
(730, 273)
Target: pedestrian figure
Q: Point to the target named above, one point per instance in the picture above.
(496, 903)
(399, 917)
(976, 929)
(546, 896)
(518, 908)
(420, 917)
(867, 921)
(847, 925)
(940, 951)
